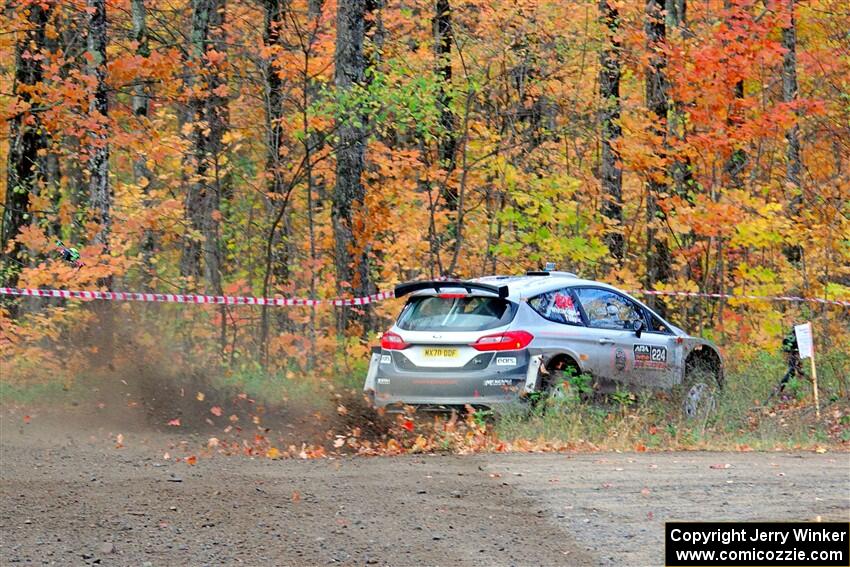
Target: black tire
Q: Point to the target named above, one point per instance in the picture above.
(701, 388)
(554, 386)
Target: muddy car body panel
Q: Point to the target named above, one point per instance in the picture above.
(489, 341)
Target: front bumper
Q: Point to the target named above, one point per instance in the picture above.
(393, 381)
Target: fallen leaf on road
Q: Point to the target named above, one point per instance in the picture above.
(339, 442)
(721, 466)
(820, 449)
(200, 396)
(26, 419)
(213, 442)
(191, 460)
(296, 496)
(273, 453)
(175, 422)
(407, 425)
(216, 411)
(119, 441)
(645, 492)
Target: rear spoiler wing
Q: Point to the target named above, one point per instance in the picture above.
(410, 287)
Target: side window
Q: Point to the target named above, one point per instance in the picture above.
(656, 325)
(608, 310)
(557, 306)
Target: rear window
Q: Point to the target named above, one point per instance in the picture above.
(432, 313)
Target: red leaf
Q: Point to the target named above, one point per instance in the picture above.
(175, 422)
(407, 425)
(216, 411)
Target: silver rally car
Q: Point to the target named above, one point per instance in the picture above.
(497, 339)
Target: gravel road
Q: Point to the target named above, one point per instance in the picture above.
(70, 497)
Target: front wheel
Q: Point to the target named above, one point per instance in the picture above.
(700, 389)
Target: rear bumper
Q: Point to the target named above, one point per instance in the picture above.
(494, 384)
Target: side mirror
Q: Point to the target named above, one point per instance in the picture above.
(638, 327)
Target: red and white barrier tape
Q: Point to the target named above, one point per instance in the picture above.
(191, 298)
(791, 298)
(280, 301)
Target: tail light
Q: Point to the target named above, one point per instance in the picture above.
(512, 340)
(393, 341)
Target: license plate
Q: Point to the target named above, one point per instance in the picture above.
(441, 353)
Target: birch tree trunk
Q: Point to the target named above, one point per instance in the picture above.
(141, 106)
(100, 190)
(794, 162)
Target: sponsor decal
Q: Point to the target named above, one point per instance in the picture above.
(386, 359)
(651, 357)
(620, 360)
(383, 380)
(498, 382)
(563, 304)
(506, 361)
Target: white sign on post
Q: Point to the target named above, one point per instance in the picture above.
(804, 340)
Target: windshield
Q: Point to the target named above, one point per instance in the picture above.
(434, 313)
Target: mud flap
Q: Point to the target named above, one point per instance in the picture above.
(374, 363)
(532, 374)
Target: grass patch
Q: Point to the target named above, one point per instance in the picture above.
(27, 394)
(749, 414)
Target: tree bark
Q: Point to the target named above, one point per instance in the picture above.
(793, 152)
(26, 140)
(349, 195)
(447, 141)
(657, 252)
(734, 166)
(211, 120)
(274, 12)
(141, 106)
(610, 171)
(794, 162)
(100, 190)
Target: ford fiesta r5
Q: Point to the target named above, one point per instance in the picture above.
(495, 340)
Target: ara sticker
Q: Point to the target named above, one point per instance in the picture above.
(385, 359)
(506, 361)
(498, 382)
(651, 357)
(383, 380)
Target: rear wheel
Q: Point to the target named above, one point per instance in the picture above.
(563, 382)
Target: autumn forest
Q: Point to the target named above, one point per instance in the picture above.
(322, 149)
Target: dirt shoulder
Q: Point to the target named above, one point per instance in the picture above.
(71, 497)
